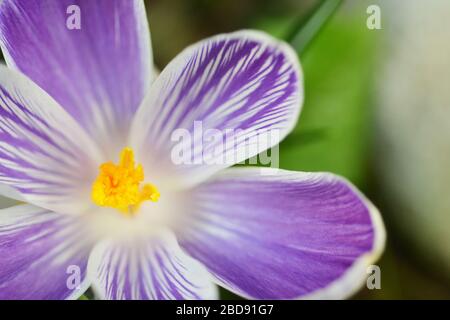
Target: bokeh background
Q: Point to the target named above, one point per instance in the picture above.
(377, 111)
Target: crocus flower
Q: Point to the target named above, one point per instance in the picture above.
(86, 144)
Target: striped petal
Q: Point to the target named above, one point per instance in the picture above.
(284, 236)
(43, 254)
(99, 73)
(45, 157)
(246, 85)
(148, 269)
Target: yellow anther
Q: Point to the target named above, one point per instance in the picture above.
(119, 186)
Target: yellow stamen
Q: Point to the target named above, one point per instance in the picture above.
(119, 186)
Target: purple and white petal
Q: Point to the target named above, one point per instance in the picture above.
(283, 236)
(43, 254)
(245, 85)
(148, 268)
(45, 157)
(99, 73)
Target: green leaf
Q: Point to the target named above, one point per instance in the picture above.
(308, 27)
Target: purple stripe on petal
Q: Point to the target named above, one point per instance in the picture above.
(148, 268)
(44, 154)
(43, 254)
(246, 81)
(98, 73)
(285, 235)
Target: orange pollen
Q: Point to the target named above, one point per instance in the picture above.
(120, 186)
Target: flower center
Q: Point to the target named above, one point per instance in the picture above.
(119, 186)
